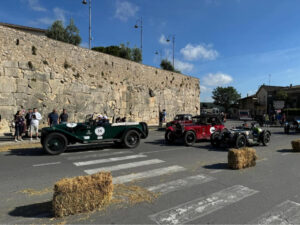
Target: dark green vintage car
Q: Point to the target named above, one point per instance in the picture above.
(55, 139)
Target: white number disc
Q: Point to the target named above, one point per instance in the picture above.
(99, 131)
(212, 130)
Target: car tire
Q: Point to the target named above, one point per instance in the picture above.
(132, 139)
(55, 143)
(286, 130)
(240, 141)
(189, 138)
(169, 137)
(214, 139)
(266, 138)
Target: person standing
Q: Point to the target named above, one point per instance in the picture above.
(28, 118)
(164, 115)
(34, 124)
(53, 118)
(19, 125)
(63, 118)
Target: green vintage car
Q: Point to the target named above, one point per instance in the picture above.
(55, 139)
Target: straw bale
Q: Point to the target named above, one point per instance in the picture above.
(296, 145)
(82, 194)
(241, 158)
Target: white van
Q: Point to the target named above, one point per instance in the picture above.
(244, 114)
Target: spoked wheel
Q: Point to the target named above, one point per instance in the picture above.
(189, 138)
(240, 141)
(169, 137)
(55, 143)
(266, 139)
(214, 139)
(132, 139)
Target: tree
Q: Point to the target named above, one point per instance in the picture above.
(122, 51)
(225, 96)
(167, 65)
(70, 34)
(136, 55)
(281, 95)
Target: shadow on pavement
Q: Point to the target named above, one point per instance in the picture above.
(36, 210)
(285, 150)
(217, 166)
(38, 151)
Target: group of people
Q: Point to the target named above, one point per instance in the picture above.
(30, 122)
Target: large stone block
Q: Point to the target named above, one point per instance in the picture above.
(7, 99)
(7, 84)
(10, 64)
(12, 72)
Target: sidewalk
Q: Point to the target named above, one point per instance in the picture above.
(10, 141)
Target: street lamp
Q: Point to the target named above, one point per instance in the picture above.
(90, 21)
(173, 42)
(159, 52)
(139, 24)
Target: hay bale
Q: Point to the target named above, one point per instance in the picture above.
(241, 158)
(82, 194)
(296, 145)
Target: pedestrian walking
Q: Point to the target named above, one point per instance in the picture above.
(164, 115)
(34, 123)
(53, 118)
(63, 118)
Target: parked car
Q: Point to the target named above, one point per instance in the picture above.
(241, 136)
(202, 127)
(55, 139)
(181, 118)
(244, 114)
(293, 125)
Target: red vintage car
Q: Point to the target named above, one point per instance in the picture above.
(181, 118)
(201, 128)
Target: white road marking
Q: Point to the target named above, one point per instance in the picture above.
(47, 164)
(216, 171)
(202, 206)
(97, 155)
(287, 212)
(147, 174)
(260, 160)
(83, 152)
(180, 184)
(98, 161)
(125, 166)
(286, 153)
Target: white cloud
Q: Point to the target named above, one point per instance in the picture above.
(183, 66)
(163, 40)
(58, 14)
(191, 52)
(125, 10)
(35, 5)
(217, 79)
(84, 45)
(204, 89)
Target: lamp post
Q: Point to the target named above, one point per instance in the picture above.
(90, 21)
(139, 24)
(173, 43)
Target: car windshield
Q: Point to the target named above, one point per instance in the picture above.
(179, 117)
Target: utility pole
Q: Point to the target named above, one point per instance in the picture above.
(140, 25)
(173, 45)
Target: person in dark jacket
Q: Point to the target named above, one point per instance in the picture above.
(63, 118)
(19, 126)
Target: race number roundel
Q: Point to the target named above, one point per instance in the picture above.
(212, 130)
(99, 131)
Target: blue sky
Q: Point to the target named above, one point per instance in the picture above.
(240, 43)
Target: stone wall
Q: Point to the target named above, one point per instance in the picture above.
(39, 72)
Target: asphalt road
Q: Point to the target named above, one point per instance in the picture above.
(194, 182)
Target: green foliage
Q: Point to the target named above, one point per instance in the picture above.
(122, 51)
(225, 96)
(281, 95)
(70, 34)
(167, 65)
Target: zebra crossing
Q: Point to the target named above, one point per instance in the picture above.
(186, 212)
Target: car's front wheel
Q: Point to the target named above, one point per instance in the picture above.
(169, 137)
(240, 141)
(266, 139)
(132, 139)
(189, 138)
(55, 143)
